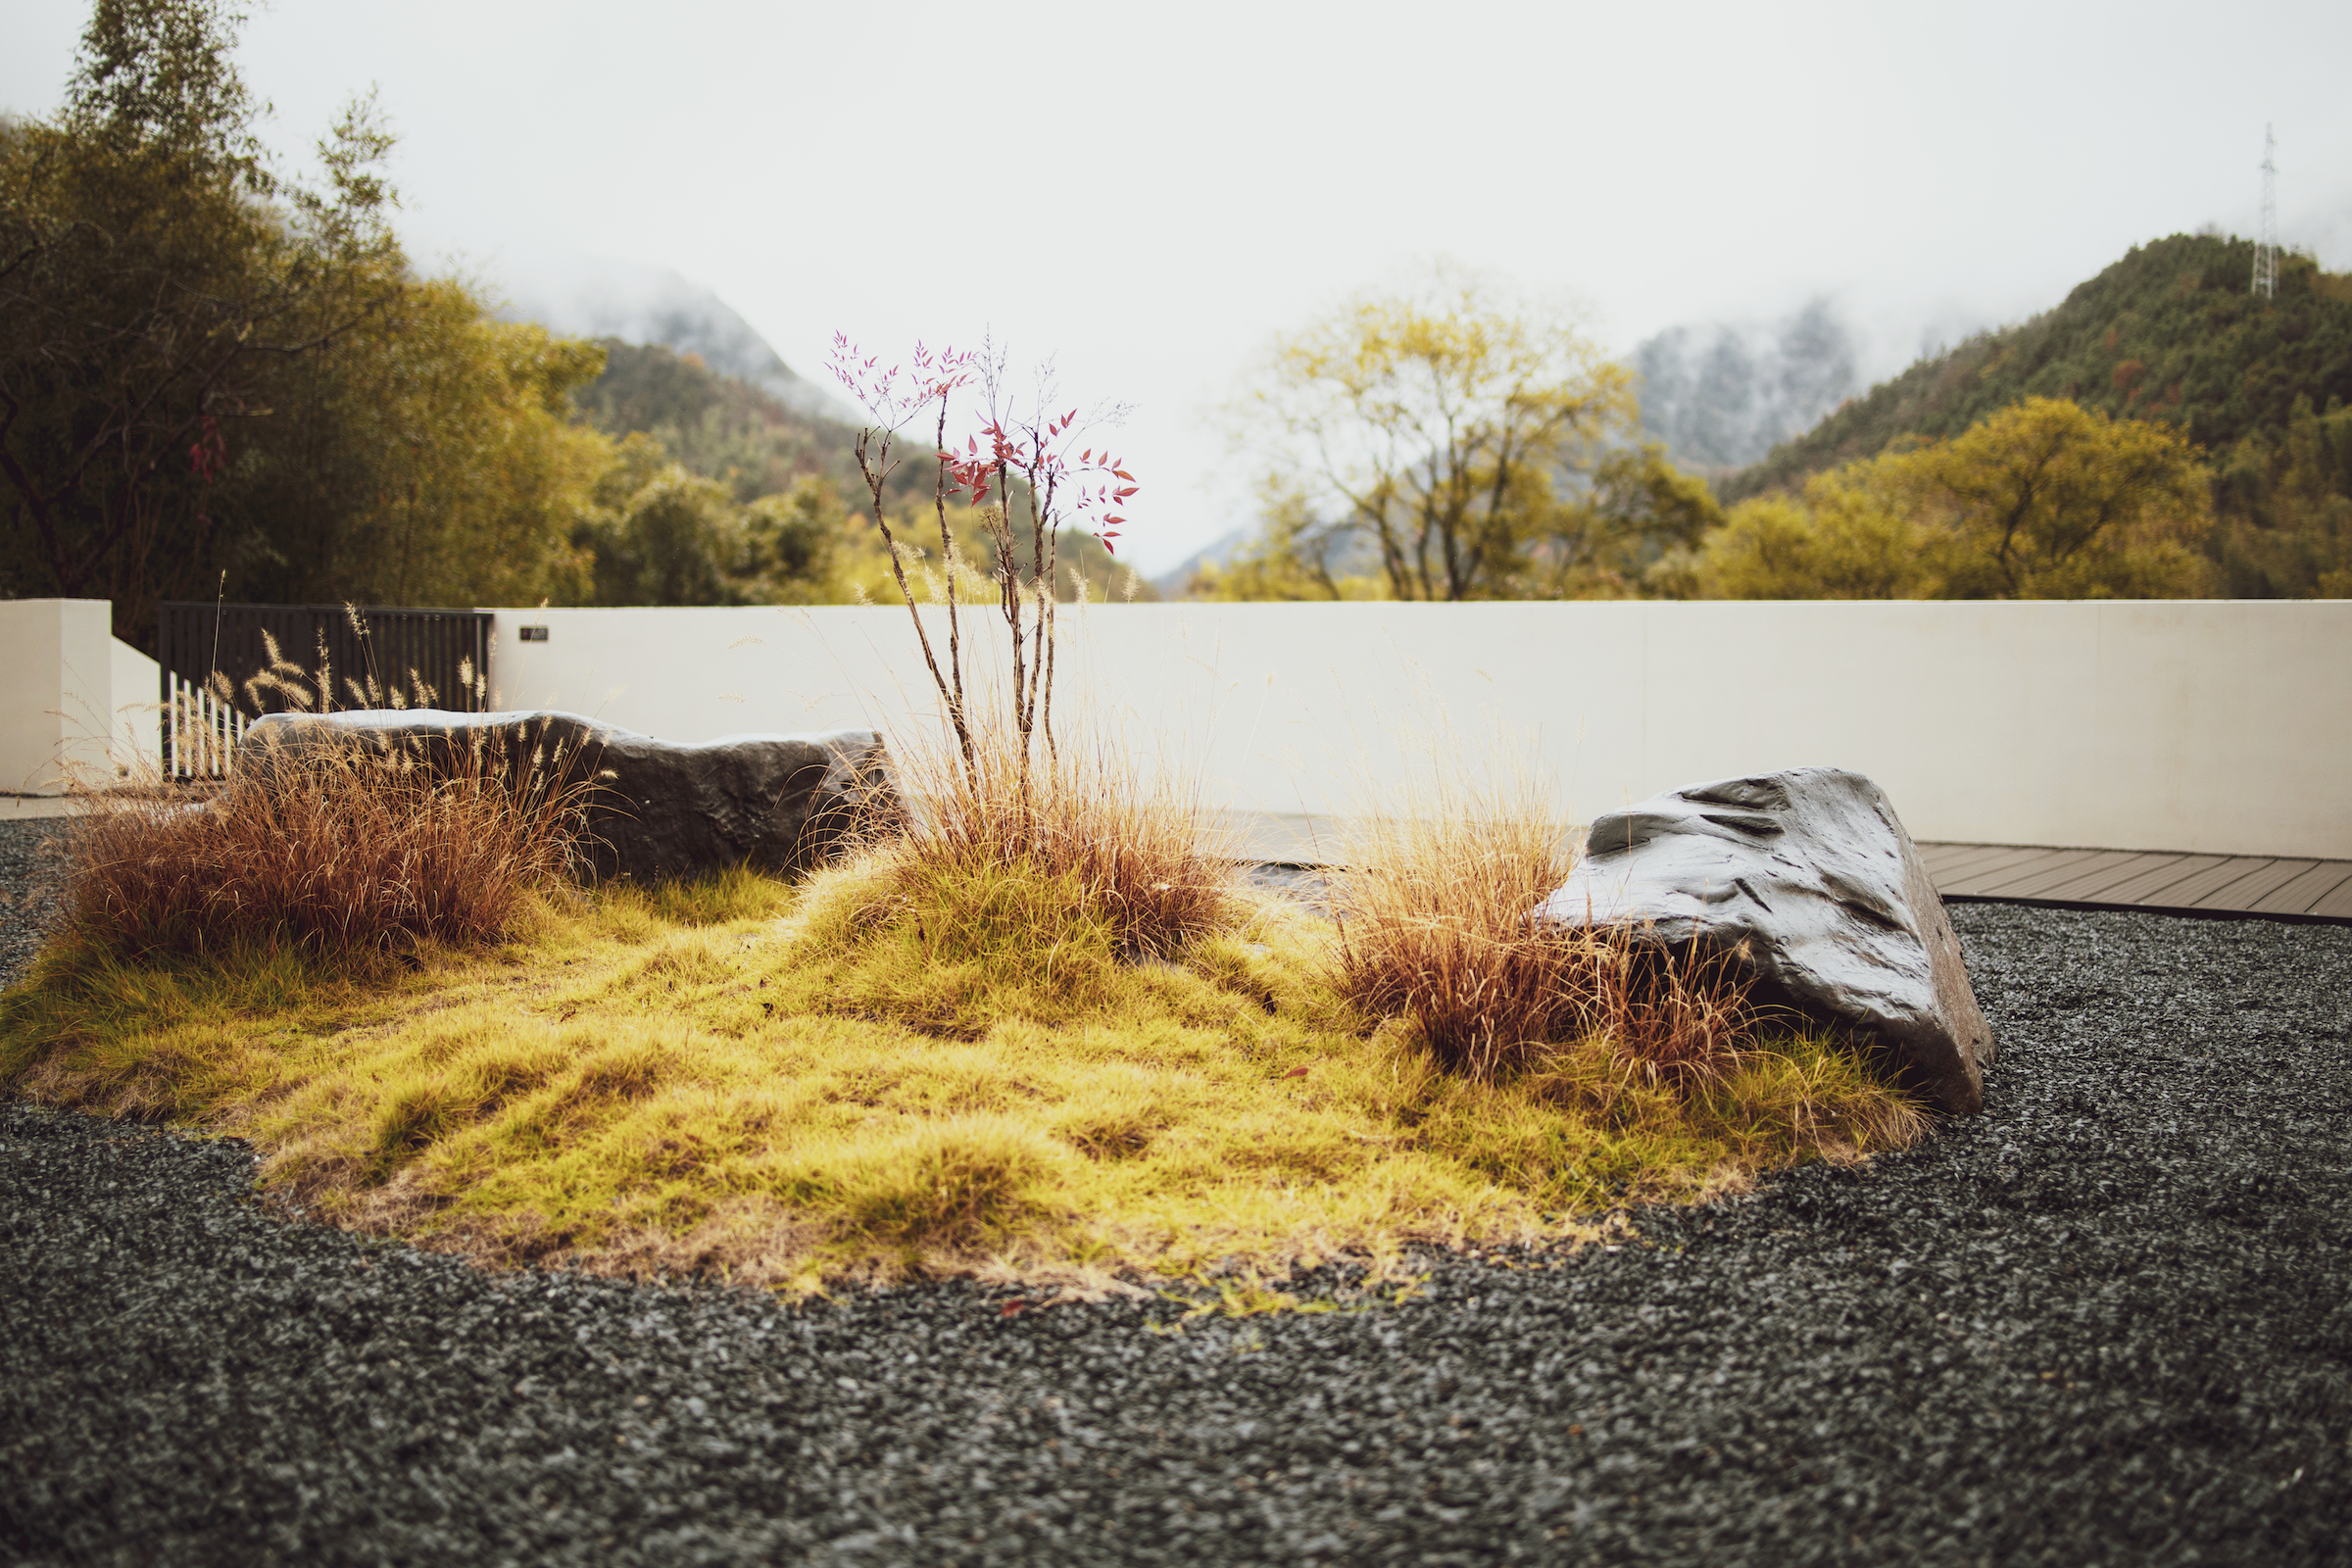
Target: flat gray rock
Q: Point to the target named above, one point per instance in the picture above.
(774, 802)
(1811, 871)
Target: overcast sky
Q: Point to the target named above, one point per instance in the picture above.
(1150, 192)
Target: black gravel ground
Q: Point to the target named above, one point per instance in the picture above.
(28, 861)
(2110, 1321)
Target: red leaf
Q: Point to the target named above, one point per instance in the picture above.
(1296, 1072)
(1016, 1309)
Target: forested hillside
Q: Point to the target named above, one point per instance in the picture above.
(719, 427)
(727, 431)
(2173, 336)
(2170, 333)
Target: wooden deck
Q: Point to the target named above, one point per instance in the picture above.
(2279, 886)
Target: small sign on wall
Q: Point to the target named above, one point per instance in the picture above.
(534, 634)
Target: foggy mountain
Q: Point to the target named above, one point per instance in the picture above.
(1721, 396)
(653, 305)
(1172, 582)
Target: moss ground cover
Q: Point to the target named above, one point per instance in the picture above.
(893, 1065)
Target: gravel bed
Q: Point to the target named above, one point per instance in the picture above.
(2109, 1321)
(26, 861)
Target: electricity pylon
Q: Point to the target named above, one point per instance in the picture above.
(2266, 240)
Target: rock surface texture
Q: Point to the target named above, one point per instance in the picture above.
(772, 802)
(1812, 873)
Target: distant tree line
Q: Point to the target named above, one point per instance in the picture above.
(2163, 433)
(1450, 441)
(216, 378)
(2171, 336)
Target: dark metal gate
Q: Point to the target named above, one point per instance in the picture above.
(219, 673)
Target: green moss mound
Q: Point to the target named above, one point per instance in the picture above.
(886, 1070)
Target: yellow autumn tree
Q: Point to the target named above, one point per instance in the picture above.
(2041, 500)
(1447, 440)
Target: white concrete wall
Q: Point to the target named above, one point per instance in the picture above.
(59, 688)
(136, 736)
(75, 702)
(2217, 726)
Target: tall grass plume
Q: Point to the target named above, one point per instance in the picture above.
(327, 841)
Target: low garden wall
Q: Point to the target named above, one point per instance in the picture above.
(2220, 727)
(77, 699)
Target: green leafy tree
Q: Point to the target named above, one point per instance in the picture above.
(1840, 541)
(2048, 500)
(660, 535)
(153, 275)
(1638, 507)
(431, 457)
(794, 538)
(1292, 556)
(2283, 499)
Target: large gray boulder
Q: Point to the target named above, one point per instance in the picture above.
(1811, 873)
(774, 802)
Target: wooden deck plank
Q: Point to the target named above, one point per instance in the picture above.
(1962, 881)
(2299, 895)
(2018, 878)
(2095, 881)
(2336, 905)
(2149, 886)
(2247, 893)
(1942, 859)
(2189, 893)
(2055, 879)
(1954, 859)
(1997, 879)
(2211, 884)
(1950, 852)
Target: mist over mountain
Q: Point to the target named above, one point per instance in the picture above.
(1722, 395)
(656, 306)
(1173, 582)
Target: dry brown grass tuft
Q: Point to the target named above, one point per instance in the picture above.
(1438, 925)
(1139, 852)
(334, 846)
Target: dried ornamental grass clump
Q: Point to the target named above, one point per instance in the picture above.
(1439, 927)
(333, 848)
(329, 842)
